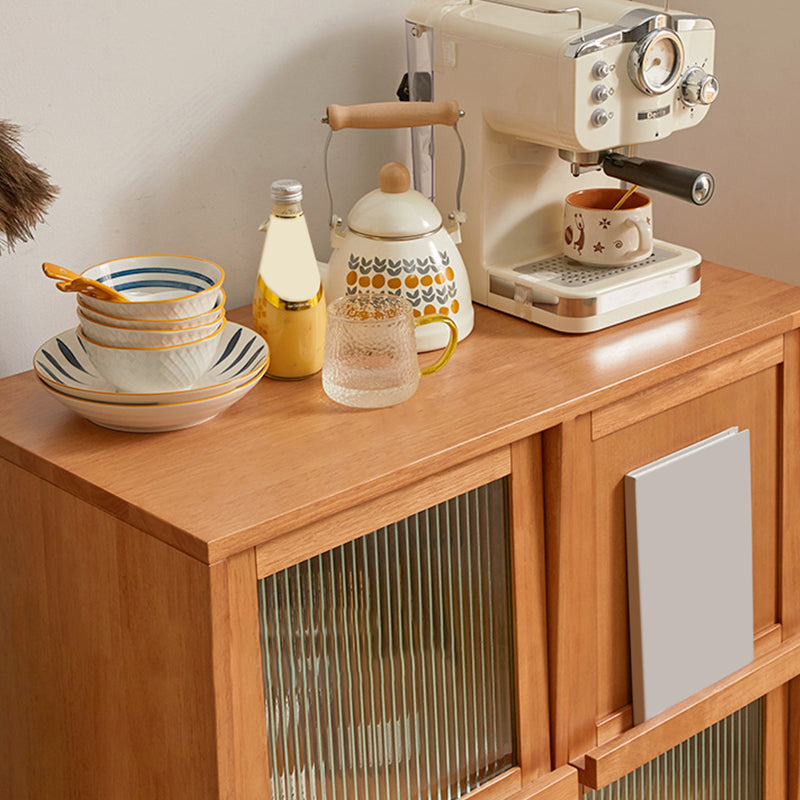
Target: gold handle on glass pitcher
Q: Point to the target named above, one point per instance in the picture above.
(451, 345)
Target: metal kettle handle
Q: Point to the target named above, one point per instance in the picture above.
(395, 114)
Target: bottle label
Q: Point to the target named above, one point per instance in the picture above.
(287, 305)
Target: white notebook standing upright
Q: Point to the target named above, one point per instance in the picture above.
(690, 570)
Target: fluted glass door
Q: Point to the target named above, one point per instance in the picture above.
(388, 660)
(723, 762)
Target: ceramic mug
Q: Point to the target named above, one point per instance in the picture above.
(595, 234)
(371, 352)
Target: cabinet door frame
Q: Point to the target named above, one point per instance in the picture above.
(621, 748)
(521, 463)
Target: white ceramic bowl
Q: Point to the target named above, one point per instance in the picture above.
(205, 318)
(143, 337)
(152, 369)
(159, 286)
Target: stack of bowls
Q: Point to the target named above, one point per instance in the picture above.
(166, 336)
(166, 346)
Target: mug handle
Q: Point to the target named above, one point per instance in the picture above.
(644, 234)
(451, 345)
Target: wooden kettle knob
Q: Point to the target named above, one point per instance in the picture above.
(394, 178)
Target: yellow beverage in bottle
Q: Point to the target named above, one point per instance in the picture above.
(288, 302)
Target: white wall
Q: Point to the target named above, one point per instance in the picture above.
(165, 123)
(748, 142)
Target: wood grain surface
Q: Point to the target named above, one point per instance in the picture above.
(641, 744)
(571, 544)
(107, 676)
(130, 560)
(286, 456)
(752, 404)
(318, 537)
(529, 597)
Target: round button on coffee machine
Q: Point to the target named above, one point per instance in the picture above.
(699, 88)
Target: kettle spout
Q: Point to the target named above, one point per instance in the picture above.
(337, 230)
(337, 237)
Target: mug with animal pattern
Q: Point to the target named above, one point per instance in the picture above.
(598, 235)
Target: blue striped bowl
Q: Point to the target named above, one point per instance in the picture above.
(158, 286)
(64, 365)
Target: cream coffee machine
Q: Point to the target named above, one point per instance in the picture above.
(555, 99)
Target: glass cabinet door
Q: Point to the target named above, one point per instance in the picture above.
(388, 663)
(723, 762)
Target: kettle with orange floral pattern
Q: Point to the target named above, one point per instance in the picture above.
(396, 243)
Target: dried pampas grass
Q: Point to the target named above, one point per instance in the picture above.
(25, 190)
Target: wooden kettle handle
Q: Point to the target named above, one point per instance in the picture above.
(393, 115)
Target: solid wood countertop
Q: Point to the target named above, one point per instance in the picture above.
(286, 455)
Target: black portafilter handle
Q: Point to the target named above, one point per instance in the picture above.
(688, 184)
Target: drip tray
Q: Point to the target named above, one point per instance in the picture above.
(562, 294)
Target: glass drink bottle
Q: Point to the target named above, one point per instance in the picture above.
(288, 302)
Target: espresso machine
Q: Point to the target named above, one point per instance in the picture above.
(556, 99)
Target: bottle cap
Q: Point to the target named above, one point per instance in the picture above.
(287, 191)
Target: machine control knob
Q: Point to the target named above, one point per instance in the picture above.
(600, 93)
(600, 70)
(699, 88)
(600, 117)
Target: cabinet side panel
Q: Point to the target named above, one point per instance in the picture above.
(105, 682)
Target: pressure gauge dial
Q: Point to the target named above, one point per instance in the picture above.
(656, 61)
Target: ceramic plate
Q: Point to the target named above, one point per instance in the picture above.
(62, 364)
(156, 417)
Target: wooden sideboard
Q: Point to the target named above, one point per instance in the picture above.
(131, 662)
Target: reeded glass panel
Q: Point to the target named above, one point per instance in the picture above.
(722, 762)
(388, 660)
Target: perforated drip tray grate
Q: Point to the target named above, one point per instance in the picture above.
(561, 293)
(562, 271)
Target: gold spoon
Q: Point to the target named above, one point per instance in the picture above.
(72, 282)
(625, 197)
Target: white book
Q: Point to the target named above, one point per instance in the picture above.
(690, 570)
